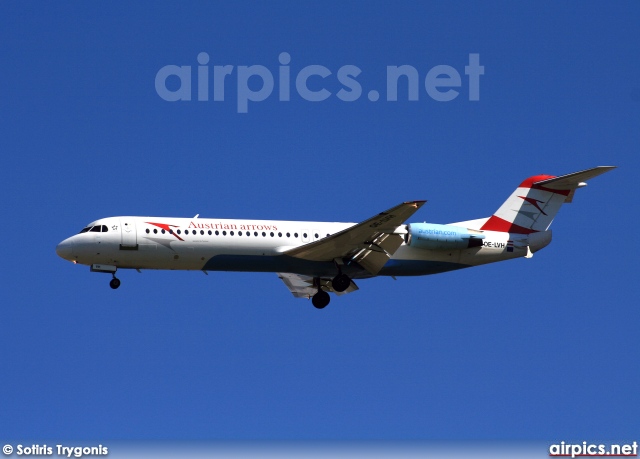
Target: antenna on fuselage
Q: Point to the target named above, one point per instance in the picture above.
(197, 215)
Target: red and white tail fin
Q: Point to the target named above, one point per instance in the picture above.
(534, 204)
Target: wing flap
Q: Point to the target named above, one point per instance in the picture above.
(303, 287)
(376, 253)
(372, 239)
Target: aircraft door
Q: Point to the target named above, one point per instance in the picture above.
(129, 240)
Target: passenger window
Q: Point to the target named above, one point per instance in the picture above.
(279, 234)
(239, 233)
(288, 234)
(295, 234)
(231, 233)
(217, 233)
(316, 235)
(155, 231)
(201, 231)
(147, 231)
(209, 232)
(178, 232)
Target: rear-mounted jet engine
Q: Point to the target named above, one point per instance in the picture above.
(442, 237)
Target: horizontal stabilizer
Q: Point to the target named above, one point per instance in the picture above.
(534, 204)
(572, 181)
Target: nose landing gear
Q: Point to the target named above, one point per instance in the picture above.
(109, 269)
(115, 282)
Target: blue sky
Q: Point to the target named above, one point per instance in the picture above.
(539, 349)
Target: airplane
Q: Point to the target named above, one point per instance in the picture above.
(316, 258)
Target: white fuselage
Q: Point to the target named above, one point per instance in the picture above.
(315, 258)
(256, 245)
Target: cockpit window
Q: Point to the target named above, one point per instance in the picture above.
(84, 230)
(95, 229)
(104, 228)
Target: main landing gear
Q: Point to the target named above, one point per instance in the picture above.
(340, 283)
(115, 282)
(320, 299)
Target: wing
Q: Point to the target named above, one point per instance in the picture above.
(370, 243)
(303, 287)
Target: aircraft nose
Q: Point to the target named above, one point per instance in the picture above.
(65, 250)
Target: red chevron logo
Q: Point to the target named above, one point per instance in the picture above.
(534, 202)
(166, 227)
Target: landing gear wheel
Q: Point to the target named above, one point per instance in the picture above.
(320, 299)
(341, 282)
(115, 283)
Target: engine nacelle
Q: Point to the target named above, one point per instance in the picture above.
(442, 237)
